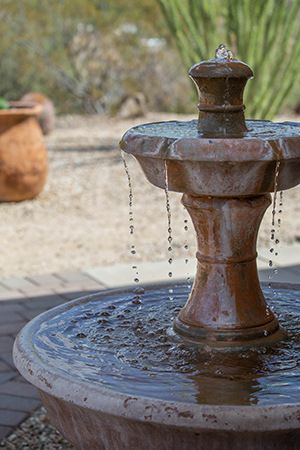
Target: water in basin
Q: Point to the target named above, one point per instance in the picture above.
(124, 342)
(258, 129)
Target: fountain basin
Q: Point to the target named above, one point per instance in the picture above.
(219, 167)
(108, 401)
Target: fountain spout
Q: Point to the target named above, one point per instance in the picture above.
(220, 83)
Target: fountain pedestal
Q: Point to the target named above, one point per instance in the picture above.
(227, 308)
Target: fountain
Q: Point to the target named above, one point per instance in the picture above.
(135, 368)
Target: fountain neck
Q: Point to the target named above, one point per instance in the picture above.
(220, 83)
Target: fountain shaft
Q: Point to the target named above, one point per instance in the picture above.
(226, 307)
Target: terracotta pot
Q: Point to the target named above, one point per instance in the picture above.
(23, 155)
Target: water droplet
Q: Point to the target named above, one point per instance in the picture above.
(133, 252)
(186, 261)
(170, 274)
(270, 277)
(277, 241)
(170, 260)
(139, 290)
(134, 267)
(280, 211)
(186, 246)
(186, 228)
(266, 333)
(81, 335)
(171, 291)
(136, 280)
(270, 263)
(169, 249)
(271, 250)
(275, 271)
(276, 254)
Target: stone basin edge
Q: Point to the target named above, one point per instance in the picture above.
(97, 398)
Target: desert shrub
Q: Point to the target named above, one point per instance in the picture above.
(87, 55)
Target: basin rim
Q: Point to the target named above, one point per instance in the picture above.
(212, 149)
(196, 417)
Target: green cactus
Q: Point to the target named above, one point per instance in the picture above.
(264, 34)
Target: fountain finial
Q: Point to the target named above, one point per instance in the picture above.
(221, 82)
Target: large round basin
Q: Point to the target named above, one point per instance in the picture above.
(101, 399)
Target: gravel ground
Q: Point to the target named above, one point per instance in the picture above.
(81, 220)
(36, 433)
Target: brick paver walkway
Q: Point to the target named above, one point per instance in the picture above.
(21, 299)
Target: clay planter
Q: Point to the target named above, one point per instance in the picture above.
(23, 155)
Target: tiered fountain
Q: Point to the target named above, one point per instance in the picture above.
(118, 371)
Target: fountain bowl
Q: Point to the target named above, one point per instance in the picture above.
(214, 166)
(93, 417)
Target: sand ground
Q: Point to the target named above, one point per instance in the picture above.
(81, 218)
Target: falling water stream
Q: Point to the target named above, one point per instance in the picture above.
(131, 218)
(169, 215)
(275, 224)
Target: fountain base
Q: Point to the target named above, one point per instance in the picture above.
(231, 340)
(124, 384)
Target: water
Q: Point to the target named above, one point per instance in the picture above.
(275, 240)
(222, 54)
(262, 129)
(169, 215)
(122, 341)
(131, 221)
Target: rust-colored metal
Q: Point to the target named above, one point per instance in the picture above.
(226, 305)
(220, 83)
(225, 173)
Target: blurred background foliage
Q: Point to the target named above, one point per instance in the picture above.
(263, 33)
(89, 55)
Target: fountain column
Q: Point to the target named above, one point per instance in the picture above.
(226, 307)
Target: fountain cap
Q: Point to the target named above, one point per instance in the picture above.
(220, 83)
(223, 65)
